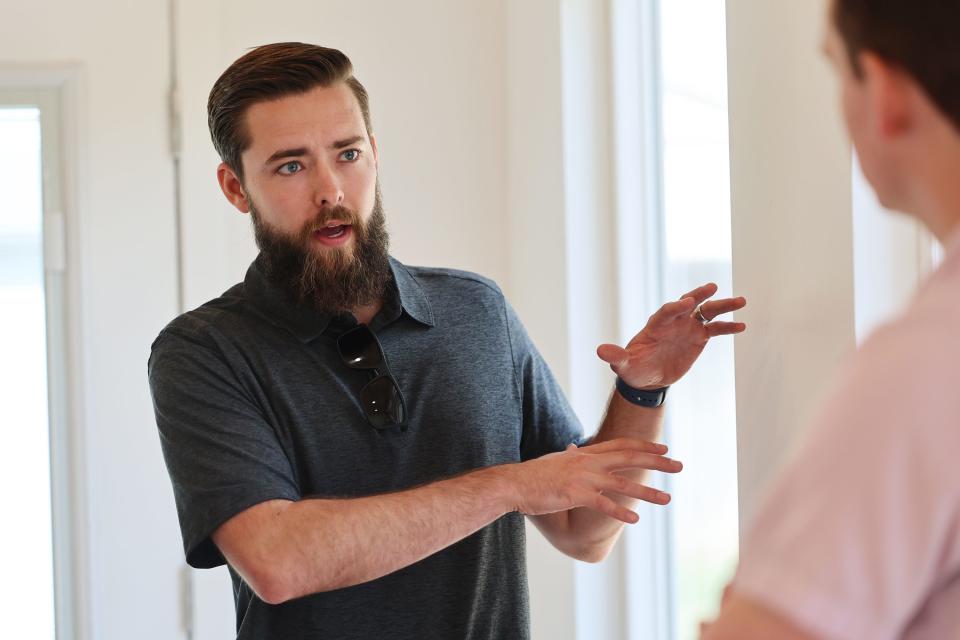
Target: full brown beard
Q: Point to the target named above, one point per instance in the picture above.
(330, 280)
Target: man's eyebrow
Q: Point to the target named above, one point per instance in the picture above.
(348, 142)
(287, 153)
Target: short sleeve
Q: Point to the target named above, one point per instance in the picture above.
(222, 454)
(549, 423)
(862, 524)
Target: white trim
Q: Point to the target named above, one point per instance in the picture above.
(186, 581)
(635, 39)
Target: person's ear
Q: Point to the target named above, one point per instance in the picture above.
(376, 153)
(232, 188)
(888, 92)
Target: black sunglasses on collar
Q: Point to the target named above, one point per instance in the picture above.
(381, 399)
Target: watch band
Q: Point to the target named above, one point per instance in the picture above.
(644, 398)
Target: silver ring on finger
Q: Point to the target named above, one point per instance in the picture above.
(698, 314)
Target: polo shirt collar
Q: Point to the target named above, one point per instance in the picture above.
(404, 295)
(413, 299)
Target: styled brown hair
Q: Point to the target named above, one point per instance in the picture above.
(266, 73)
(919, 36)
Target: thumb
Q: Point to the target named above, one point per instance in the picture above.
(612, 354)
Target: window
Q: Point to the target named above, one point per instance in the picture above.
(670, 79)
(33, 483)
(697, 249)
(27, 548)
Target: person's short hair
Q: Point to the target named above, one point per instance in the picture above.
(920, 36)
(270, 72)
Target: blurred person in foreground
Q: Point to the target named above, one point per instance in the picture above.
(859, 538)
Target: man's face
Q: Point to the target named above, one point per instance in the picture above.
(310, 185)
(310, 154)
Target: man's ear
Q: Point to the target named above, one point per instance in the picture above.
(888, 90)
(376, 153)
(232, 188)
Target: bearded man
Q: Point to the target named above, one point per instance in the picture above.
(359, 440)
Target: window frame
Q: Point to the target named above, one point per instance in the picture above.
(47, 91)
(649, 585)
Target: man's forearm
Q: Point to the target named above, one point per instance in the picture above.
(318, 544)
(287, 549)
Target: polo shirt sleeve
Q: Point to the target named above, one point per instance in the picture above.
(549, 423)
(222, 454)
(862, 523)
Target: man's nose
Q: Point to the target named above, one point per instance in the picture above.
(327, 188)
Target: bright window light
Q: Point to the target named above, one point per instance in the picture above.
(696, 222)
(26, 552)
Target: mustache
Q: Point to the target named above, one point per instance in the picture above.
(325, 216)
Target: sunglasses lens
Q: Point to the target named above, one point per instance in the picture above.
(359, 349)
(381, 398)
(382, 403)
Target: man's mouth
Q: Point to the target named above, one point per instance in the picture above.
(334, 233)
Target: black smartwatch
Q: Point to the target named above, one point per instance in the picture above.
(641, 397)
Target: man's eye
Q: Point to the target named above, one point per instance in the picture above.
(289, 168)
(350, 155)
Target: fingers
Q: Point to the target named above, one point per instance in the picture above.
(603, 504)
(626, 487)
(699, 296)
(714, 308)
(724, 328)
(682, 307)
(624, 460)
(701, 293)
(686, 304)
(628, 444)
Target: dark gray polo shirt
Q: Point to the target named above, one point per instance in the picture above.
(254, 403)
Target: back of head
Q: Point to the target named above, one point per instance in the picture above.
(270, 72)
(919, 36)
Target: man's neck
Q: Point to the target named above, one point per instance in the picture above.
(935, 197)
(366, 313)
(938, 208)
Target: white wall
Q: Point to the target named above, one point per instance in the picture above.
(119, 210)
(792, 227)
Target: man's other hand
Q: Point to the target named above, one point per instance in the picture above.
(579, 477)
(673, 339)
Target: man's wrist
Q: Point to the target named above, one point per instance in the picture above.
(648, 398)
(502, 482)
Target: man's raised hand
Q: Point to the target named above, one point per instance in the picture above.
(673, 339)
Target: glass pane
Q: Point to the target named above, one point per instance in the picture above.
(26, 552)
(702, 418)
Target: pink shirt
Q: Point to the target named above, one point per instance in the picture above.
(859, 537)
